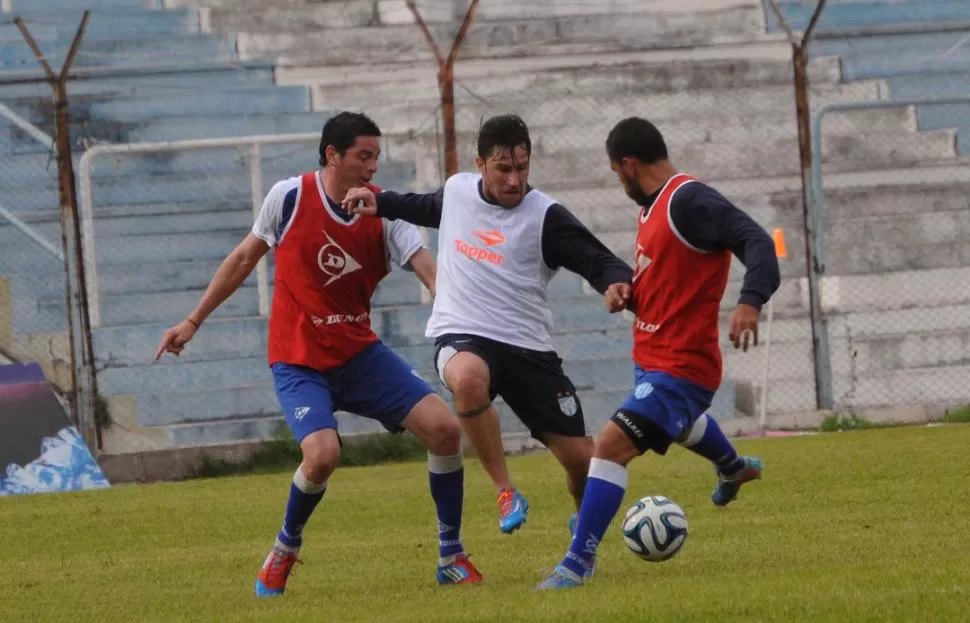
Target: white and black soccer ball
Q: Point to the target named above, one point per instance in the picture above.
(655, 528)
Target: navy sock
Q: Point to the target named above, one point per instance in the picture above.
(602, 498)
(446, 477)
(304, 497)
(707, 439)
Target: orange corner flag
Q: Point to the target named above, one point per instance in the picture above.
(779, 237)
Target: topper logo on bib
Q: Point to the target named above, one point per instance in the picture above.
(490, 238)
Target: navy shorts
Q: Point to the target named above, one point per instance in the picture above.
(660, 410)
(376, 384)
(532, 383)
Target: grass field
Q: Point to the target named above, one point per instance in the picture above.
(857, 526)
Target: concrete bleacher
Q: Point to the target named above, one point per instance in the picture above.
(894, 176)
(162, 223)
(715, 76)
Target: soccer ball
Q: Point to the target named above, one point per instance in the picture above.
(655, 528)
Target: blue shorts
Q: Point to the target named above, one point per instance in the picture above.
(376, 384)
(660, 409)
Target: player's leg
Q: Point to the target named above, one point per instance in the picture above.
(304, 396)
(381, 385)
(464, 366)
(574, 454)
(647, 420)
(707, 439)
(605, 487)
(544, 398)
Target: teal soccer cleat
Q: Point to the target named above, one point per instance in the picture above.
(727, 489)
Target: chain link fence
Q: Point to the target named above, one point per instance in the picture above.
(896, 283)
(729, 123)
(33, 299)
(158, 220)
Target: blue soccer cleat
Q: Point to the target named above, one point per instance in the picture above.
(560, 577)
(727, 489)
(512, 510)
(459, 571)
(572, 530)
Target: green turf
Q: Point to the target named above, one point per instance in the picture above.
(857, 526)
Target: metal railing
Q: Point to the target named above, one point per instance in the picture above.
(817, 199)
(86, 203)
(886, 277)
(36, 133)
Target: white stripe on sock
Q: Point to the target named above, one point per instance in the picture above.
(444, 464)
(697, 431)
(609, 471)
(305, 485)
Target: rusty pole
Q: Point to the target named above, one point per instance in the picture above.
(446, 80)
(824, 398)
(69, 222)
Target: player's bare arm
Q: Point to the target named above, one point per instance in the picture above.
(421, 209)
(231, 274)
(567, 243)
(423, 265)
(708, 221)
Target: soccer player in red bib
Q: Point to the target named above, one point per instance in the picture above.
(323, 353)
(687, 232)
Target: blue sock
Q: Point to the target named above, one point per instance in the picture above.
(602, 498)
(707, 439)
(446, 476)
(304, 497)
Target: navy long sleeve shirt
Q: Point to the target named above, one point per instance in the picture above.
(566, 242)
(708, 221)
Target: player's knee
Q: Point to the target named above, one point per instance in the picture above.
(469, 383)
(444, 436)
(321, 455)
(318, 466)
(614, 445)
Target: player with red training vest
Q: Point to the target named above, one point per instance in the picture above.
(686, 234)
(323, 353)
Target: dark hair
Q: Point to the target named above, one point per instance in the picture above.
(503, 132)
(342, 131)
(636, 138)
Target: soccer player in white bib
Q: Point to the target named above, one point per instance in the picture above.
(500, 243)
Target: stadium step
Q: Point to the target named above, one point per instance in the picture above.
(669, 71)
(166, 81)
(258, 99)
(171, 306)
(152, 129)
(564, 108)
(861, 14)
(850, 152)
(105, 23)
(182, 187)
(179, 50)
(497, 39)
(77, 5)
(396, 317)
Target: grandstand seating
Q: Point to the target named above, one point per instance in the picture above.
(717, 81)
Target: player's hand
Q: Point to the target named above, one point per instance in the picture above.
(618, 296)
(175, 339)
(744, 326)
(360, 201)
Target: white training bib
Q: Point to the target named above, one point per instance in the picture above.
(492, 277)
